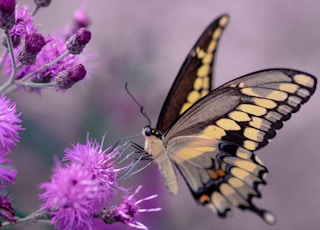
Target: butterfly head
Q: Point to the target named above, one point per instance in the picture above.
(153, 142)
(148, 131)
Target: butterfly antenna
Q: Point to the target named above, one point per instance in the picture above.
(142, 111)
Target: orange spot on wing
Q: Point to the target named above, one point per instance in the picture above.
(221, 173)
(204, 198)
(215, 174)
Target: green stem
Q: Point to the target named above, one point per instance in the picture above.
(36, 217)
(10, 48)
(35, 85)
(5, 53)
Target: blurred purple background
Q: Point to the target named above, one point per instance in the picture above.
(144, 43)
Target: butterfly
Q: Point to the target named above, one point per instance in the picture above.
(210, 136)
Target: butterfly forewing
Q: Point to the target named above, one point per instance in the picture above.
(248, 110)
(195, 76)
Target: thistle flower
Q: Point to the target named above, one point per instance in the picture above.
(55, 46)
(71, 197)
(128, 211)
(7, 17)
(101, 163)
(6, 210)
(9, 125)
(82, 190)
(33, 45)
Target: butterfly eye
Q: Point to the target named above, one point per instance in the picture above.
(148, 131)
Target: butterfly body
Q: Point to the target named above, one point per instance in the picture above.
(154, 146)
(211, 135)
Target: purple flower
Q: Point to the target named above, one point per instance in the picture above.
(24, 25)
(55, 46)
(76, 43)
(128, 211)
(7, 175)
(70, 198)
(6, 210)
(7, 18)
(10, 124)
(101, 163)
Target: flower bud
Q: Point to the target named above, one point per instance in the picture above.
(81, 18)
(66, 79)
(76, 43)
(42, 3)
(25, 57)
(7, 6)
(33, 45)
(7, 17)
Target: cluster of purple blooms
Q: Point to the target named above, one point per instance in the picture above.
(85, 181)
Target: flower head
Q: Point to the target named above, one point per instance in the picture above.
(10, 124)
(6, 210)
(100, 162)
(128, 211)
(70, 197)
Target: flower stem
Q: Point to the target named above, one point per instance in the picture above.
(10, 48)
(4, 55)
(35, 10)
(35, 85)
(36, 217)
(10, 81)
(27, 77)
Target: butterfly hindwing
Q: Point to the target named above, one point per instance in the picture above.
(219, 174)
(195, 76)
(247, 111)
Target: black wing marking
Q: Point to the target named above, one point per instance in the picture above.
(195, 76)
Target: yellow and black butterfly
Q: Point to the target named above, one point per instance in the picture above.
(210, 136)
